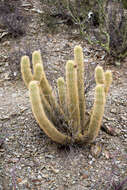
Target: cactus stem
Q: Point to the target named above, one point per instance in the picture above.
(41, 117)
(26, 70)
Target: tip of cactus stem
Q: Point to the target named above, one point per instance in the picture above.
(99, 75)
(24, 60)
(36, 52)
(99, 69)
(60, 79)
(36, 57)
(108, 76)
(78, 48)
(70, 64)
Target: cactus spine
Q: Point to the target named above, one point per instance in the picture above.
(70, 112)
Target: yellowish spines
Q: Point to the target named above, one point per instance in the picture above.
(71, 108)
(72, 97)
(97, 112)
(108, 81)
(61, 92)
(79, 63)
(26, 70)
(41, 117)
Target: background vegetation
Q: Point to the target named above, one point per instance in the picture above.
(100, 22)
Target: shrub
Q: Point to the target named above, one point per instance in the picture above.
(100, 22)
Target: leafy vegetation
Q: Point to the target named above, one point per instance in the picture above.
(100, 22)
(12, 18)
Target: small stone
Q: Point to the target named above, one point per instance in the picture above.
(45, 175)
(84, 176)
(55, 170)
(23, 182)
(106, 154)
(113, 110)
(14, 95)
(49, 156)
(19, 180)
(117, 63)
(15, 73)
(93, 63)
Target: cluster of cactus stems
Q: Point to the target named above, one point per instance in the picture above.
(68, 110)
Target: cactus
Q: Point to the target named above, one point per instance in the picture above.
(66, 121)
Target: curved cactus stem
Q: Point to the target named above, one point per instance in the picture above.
(47, 107)
(45, 86)
(36, 59)
(97, 113)
(41, 117)
(72, 97)
(48, 92)
(99, 75)
(61, 93)
(26, 70)
(108, 81)
(79, 62)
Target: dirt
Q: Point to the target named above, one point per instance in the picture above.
(28, 158)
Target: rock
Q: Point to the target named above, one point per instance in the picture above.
(113, 110)
(117, 63)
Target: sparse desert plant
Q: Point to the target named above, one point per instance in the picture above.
(100, 22)
(112, 31)
(65, 121)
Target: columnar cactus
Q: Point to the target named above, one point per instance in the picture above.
(64, 120)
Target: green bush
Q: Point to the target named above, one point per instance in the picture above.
(100, 22)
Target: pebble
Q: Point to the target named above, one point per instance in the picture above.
(113, 110)
(23, 182)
